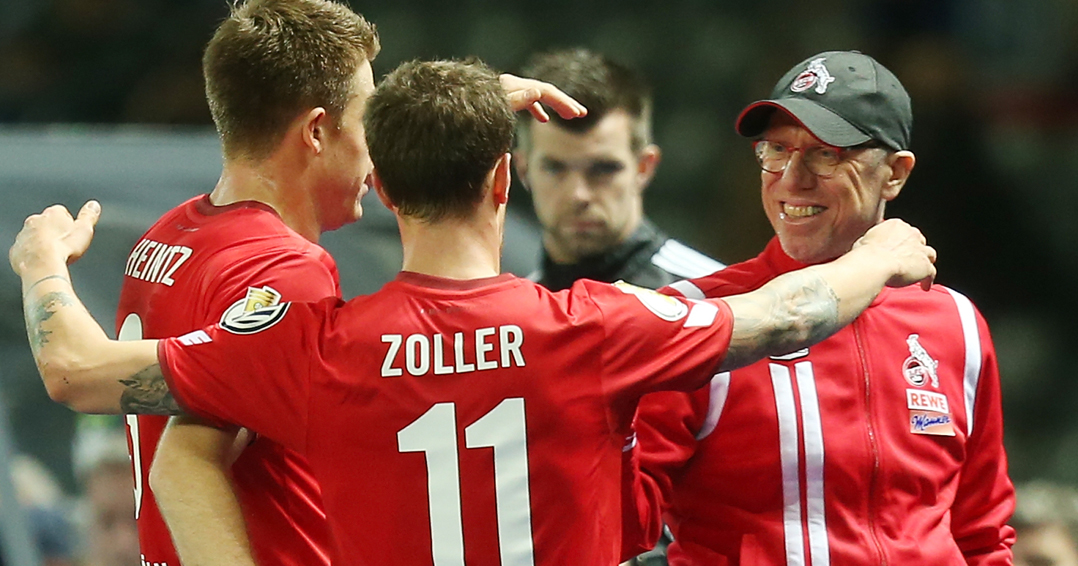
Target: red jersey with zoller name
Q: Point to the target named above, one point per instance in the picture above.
(195, 266)
(457, 422)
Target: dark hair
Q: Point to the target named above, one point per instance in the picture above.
(435, 129)
(600, 84)
(272, 59)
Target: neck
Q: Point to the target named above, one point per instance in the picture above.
(453, 248)
(273, 183)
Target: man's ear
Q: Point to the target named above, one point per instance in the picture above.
(646, 164)
(901, 164)
(380, 189)
(501, 180)
(313, 127)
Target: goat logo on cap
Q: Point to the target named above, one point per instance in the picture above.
(815, 75)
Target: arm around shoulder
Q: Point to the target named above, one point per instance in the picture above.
(803, 307)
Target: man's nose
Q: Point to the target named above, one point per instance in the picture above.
(579, 188)
(796, 175)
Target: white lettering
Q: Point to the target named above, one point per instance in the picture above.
(458, 357)
(927, 401)
(131, 259)
(142, 258)
(417, 362)
(511, 337)
(425, 354)
(394, 341)
(439, 367)
(481, 349)
(194, 338)
(185, 253)
(154, 268)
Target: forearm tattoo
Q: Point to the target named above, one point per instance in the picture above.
(147, 393)
(789, 313)
(40, 310)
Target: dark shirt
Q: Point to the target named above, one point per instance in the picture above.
(648, 258)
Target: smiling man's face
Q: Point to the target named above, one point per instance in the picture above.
(817, 218)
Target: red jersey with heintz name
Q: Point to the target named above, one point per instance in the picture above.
(198, 264)
(477, 422)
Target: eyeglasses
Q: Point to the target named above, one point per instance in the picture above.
(820, 160)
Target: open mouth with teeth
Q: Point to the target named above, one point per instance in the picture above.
(793, 211)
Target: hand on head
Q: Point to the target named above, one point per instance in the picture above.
(914, 258)
(530, 95)
(53, 235)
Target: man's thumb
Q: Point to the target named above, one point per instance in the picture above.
(89, 213)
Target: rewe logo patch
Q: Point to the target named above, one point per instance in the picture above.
(816, 74)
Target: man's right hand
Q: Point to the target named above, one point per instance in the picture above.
(53, 236)
(913, 257)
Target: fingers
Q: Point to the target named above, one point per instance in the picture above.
(926, 283)
(82, 231)
(538, 112)
(525, 94)
(566, 106)
(521, 99)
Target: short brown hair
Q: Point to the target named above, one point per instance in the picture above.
(272, 59)
(435, 129)
(601, 84)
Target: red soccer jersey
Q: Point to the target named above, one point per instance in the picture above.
(450, 422)
(196, 265)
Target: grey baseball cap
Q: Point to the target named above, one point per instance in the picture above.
(844, 98)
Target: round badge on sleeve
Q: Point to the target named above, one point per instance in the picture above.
(662, 306)
(258, 310)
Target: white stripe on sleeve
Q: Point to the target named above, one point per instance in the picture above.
(972, 336)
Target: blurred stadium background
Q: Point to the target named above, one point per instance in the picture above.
(103, 99)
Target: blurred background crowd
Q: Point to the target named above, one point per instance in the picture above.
(994, 85)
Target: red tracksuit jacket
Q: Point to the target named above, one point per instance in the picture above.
(881, 445)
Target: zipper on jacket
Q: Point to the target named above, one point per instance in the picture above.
(874, 477)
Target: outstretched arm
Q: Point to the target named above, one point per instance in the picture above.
(76, 359)
(803, 307)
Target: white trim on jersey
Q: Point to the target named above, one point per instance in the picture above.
(968, 318)
(814, 495)
(719, 388)
(683, 261)
(791, 485)
(789, 450)
(687, 289)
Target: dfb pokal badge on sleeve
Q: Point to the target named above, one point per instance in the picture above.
(260, 309)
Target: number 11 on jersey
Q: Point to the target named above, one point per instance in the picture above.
(504, 430)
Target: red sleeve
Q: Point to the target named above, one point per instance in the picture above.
(985, 498)
(654, 342)
(666, 426)
(252, 371)
(294, 275)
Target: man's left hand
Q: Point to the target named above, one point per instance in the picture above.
(530, 95)
(53, 235)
